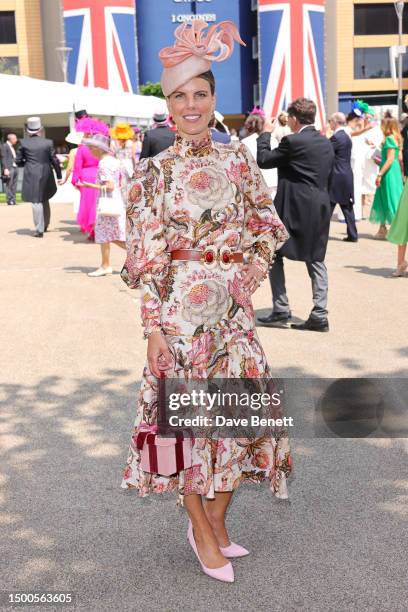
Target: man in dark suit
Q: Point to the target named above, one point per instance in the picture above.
(9, 170)
(37, 156)
(159, 138)
(304, 160)
(341, 184)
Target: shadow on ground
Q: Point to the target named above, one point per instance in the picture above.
(383, 272)
(67, 525)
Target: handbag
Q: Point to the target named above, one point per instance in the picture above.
(376, 156)
(163, 455)
(109, 206)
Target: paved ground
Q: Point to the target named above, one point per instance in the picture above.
(71, 358)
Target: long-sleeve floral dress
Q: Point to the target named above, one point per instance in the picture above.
(191, 196)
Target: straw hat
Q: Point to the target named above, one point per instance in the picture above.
(74, 137)
(121, 131)
(193, 51)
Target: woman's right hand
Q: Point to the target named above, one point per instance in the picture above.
(158, 354)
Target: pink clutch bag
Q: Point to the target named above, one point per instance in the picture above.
(162, 455)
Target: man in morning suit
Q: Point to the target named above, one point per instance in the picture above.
(9, 170)
(159, 138)
(341, 184)
(37, 156)
(304, 160)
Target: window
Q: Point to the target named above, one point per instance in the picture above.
(9, 65)
(7, 28)
(377, 19)
(373, 63)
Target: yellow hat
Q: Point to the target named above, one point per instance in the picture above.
(122, 131)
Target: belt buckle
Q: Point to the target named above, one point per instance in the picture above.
(225, 258)
(210, 257)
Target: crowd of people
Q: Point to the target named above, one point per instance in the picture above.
(370, 167)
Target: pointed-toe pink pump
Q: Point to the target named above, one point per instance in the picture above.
(224, 573)
(234, 551)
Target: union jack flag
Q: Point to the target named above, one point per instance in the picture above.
(292, 54)
(102, 36)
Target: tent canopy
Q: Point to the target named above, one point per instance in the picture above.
(23, 97)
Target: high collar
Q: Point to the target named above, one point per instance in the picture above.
(193, 148)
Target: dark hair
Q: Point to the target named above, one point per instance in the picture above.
(209, 77)
(352, 116)
(254, 124)
(303, 110)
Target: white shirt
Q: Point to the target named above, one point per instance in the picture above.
(270, 175)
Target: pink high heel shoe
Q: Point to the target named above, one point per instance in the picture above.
(224, 573)
(234, 551)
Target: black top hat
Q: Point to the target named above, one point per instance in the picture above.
(81, 113)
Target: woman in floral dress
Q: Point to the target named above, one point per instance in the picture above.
(202, 196)
(108, 229)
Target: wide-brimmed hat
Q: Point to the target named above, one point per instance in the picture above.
(74, 137)
(122, 131)
(99, 141)
(193, 51)
(33, 124)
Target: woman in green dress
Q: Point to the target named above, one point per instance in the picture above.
(398, 233)
(389, 179)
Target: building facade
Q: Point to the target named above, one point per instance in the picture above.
(21, 38)
(359, 36)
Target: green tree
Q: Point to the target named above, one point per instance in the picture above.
(151, 89)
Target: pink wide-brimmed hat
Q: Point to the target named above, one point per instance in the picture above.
(194, 50)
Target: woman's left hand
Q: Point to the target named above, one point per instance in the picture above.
(251, 277)
(378, 180)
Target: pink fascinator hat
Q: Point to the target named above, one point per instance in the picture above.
(194, 50)
(89, 125)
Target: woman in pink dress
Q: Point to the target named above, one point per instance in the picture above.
(85, 171)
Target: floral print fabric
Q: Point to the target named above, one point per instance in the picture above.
(193, 196)
(109, 229)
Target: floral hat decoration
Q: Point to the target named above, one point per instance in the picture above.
(361, 108)
(89, 125)
(194, 50)
(257, 110)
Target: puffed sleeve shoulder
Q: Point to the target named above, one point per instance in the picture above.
(148, 260)
(390, 143)
(145, 240)
(264, 232)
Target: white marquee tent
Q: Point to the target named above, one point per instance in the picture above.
(22, 97)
